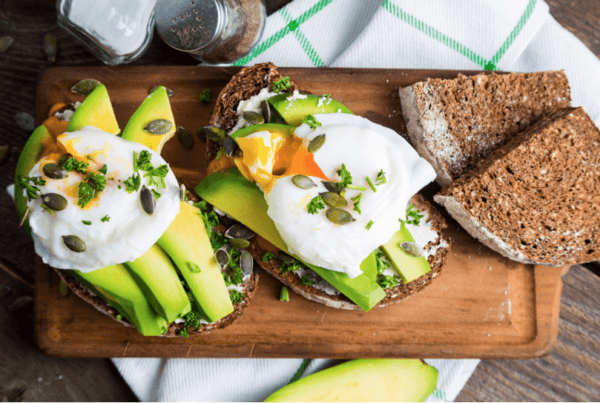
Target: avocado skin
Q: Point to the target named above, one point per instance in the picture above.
(270, 127)
(115, 285)
(409, 267)
(292, 112)
(155, 106)
(156, 276)
(366, 380)
(230, 192)
(96, 110)
(186, 241)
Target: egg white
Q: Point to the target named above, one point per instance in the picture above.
(128, 234)
(364, 148)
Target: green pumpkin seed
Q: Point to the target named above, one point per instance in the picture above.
(253, 118)
(246, 263)
(333, 199)
(4, 153)
(159, 126)
(85, 87)
(5, 43)
(239, 243)
(303, 182)
(316, 143)
(50, 47)
(222, 257)
(169, 92)
(228, 146)
(412, 249)
(148, 200)
(54, 171)
(64, 158)
(285, 258)
(213, 133)
(185, 138)
(25, 214)
(193, 267)
(63, 288)
(239, 231)
(333, 187)
(54, 201)
(25, 121)
(265, 111)
(339, 216)
(74, 243)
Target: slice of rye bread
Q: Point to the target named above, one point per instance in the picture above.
(536, 199)
(455, 123)
(248, 288)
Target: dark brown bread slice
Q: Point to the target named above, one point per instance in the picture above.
(537, 199)
(455, 123)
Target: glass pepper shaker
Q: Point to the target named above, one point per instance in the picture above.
(213, 31)
(115, 31)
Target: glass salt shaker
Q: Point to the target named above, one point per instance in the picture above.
(115, 31)
(213, 31)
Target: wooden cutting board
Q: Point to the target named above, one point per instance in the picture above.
(482, 305)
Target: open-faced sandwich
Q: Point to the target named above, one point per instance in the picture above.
(331, 196)
(106, 212)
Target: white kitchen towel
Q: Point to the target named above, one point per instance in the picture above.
(511, 35)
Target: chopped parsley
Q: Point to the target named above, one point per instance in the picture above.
(205, 97)
(356, 201)
(211, 220)
(103, 170)
(384, 281)
(315, 205)
(98, 179)
(268, 256)
(368, 227)
(380, 179)
(73, 165)
(412, 215)
(304, 280)
(346, 180)
(156, 194)
(311, 121)
(371, 185)
(86, 193)
(48, 209)
(119, 317)
(142, 161)
(86, 222)
(31, 189)
(291, 267)
(233, 275)
(106, 218)
(132, 184)
(192, 320)
(282, 84)
(236, 297)
(160, 173)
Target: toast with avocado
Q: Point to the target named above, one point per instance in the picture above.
(259, 99)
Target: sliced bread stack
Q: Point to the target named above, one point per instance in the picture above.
(455, 123)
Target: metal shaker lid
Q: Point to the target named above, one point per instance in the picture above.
(189, 25)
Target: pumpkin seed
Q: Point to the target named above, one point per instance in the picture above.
(285, 258)
(214, 133)
(169, 92)
(182, 193)
(303, 182)
(148, 200)
(193, 267)
(159, 126)
(25, 214)
(54, 201)
(239, 231)
(239, 243)
(185, 138)
(85, 87)
(333, 199)
(246, 263)
(64, 158)
(228, 146)
(412, 249)
(253, 118)
(316, 143)
(54, 171)
(63, 288)
(339, 216)
(4, 153)
(5, 43)
(25, 121)
(265, 110)
(333, 187)
(222, 257)
(50, 47)
(74, 243)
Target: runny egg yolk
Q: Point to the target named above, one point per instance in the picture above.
(268, 156)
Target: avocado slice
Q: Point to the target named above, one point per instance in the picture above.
(95, 111)
(292, 112)
(115, 285)
(230, 192)
(186, 242)
(270, 127)
(155, 106)
(157, 278)
(366, 380)
(409, 267)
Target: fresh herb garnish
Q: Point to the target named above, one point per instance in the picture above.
(103, 170)
(99, 180)
(233, 275)
(282, 84)
(368, 227)
(315, 205)
(86, 193)
(31, 189)
(291, 267)
(192, 320)
(133, 183)
(205, 97)
(384, 281)
(106, 218)
(380, 179)
(346, 180)
(143, 161)
(371, 185)
(89, 158)
(86, 222)
(311, 121)
(284, 295)
(119, 317)
(156, 194)
(73, 165)
(160, 173)
(356, 201)
(211, 220)
(236, 296)
(304, 280)
(48, 209)
(268, 256)
(412, 215)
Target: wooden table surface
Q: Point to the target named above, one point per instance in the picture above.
(570, 373)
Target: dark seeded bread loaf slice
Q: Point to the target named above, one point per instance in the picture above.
(455, 123)
(536, 199)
